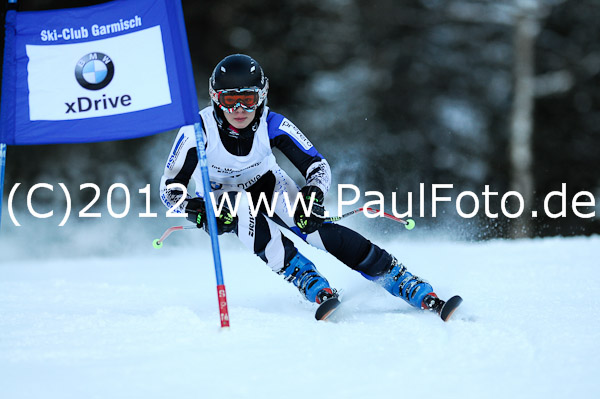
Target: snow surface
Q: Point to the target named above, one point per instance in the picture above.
(145, 325)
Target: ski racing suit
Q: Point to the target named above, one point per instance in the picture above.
(250, 166)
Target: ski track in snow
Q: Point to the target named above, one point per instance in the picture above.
(147, 326)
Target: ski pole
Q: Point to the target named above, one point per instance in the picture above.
(409, 224)
(158, 243)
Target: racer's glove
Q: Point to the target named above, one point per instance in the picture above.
(196, 213)
(311, 223)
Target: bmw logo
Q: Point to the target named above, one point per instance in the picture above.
(94, 71)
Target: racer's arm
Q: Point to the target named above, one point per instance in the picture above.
(285, 136)
(180, 166)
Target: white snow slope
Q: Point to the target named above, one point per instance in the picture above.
(146, 326)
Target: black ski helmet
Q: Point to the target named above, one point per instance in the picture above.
(238, 71)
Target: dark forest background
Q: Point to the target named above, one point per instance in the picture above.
(397, 93)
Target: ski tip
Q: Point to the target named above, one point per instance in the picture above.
(327, 308)
(450, 307)
(157, 244)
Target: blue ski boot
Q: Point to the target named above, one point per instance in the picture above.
(384, 269)
(303, 274)
(399, 282)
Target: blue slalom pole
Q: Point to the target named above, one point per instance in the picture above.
(212, 225)
(2, 168)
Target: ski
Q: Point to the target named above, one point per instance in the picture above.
(327, 308)
(443, 308)
(449, 307)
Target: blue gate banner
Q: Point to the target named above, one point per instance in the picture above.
(113, 71)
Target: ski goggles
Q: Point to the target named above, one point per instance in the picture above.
(248, 99)
(231, 99)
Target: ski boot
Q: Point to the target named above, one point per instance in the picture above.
(444, 309)
(302, 273)
(401, 283)
(384, 269)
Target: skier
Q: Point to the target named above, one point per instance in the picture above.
(239, 132)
